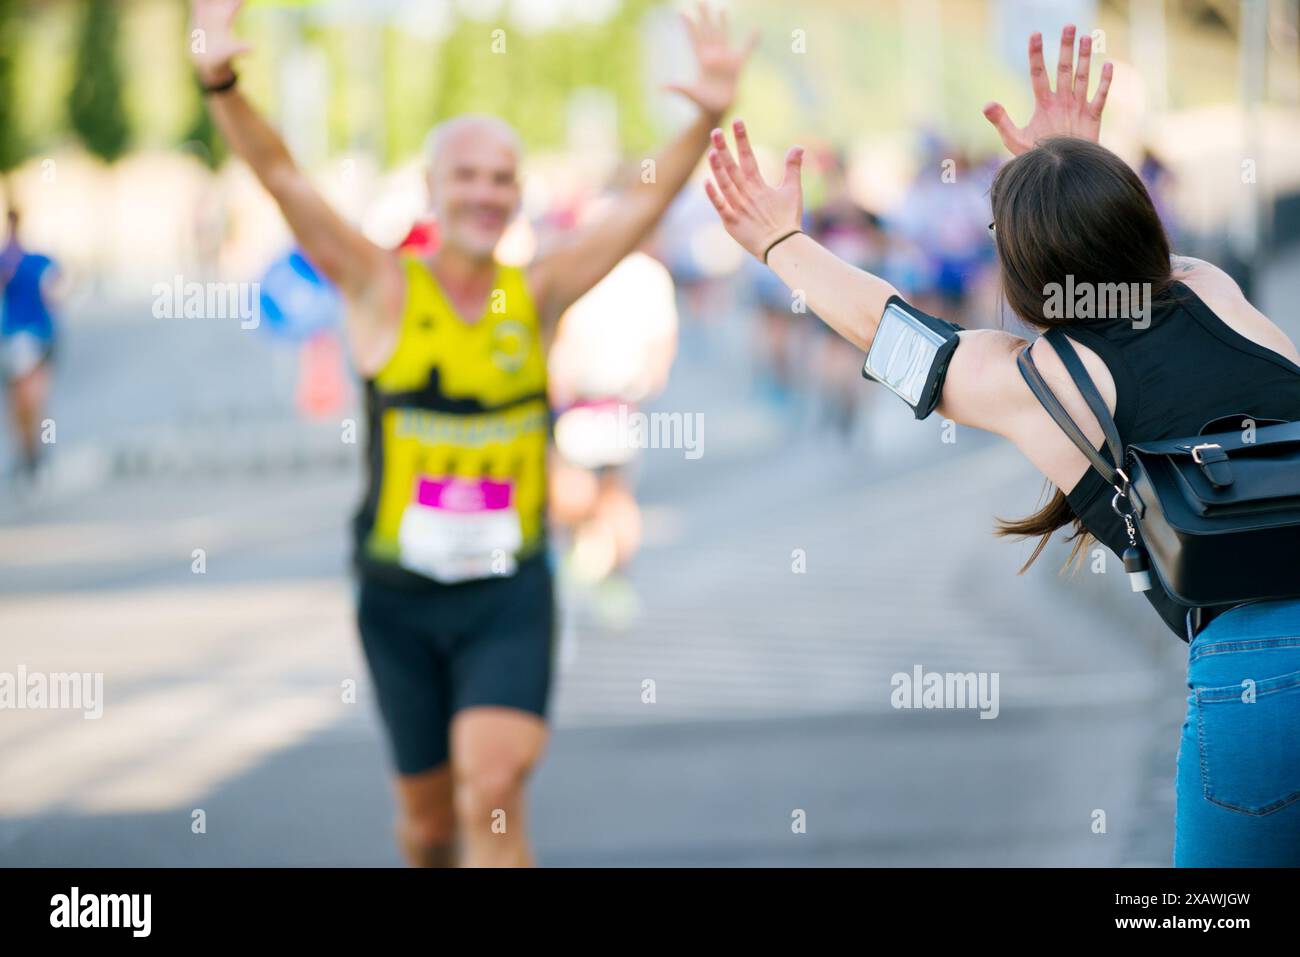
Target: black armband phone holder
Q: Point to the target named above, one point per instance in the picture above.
(910, 353)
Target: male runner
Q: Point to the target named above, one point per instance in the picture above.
(456, 599)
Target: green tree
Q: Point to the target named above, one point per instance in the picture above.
(12, 148)
(95, 106)
(530, 85)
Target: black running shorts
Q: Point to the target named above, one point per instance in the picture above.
(435, 650)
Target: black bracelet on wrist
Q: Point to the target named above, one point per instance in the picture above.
(772, 245)
(221, 87)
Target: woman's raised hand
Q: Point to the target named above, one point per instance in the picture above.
(1065, 111)
(753, 213)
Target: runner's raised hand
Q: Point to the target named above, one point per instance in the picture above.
(213, 44)
(714, 90)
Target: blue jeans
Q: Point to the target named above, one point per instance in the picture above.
(1238, 782)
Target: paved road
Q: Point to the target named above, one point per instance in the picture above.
(225, 690)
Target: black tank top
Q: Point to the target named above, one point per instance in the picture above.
(1171, 379)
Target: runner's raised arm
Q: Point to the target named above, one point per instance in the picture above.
(562, 276)
(368, 276)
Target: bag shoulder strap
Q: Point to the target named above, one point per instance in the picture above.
(1043, 393)
(1059, 341)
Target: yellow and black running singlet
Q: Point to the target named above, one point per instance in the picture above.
(458, 424)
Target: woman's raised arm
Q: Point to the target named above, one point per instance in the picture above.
(758, 216)
(982, 388)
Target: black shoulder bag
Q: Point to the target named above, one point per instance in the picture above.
(1216, 516)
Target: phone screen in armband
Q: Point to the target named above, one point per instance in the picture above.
(909, 355)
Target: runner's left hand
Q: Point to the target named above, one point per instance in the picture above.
(714, 90)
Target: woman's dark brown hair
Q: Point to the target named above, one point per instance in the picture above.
(1069, 207)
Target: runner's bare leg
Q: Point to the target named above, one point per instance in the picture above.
(426, 824)
(493, 753)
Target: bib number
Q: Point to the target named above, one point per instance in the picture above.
(457, 529)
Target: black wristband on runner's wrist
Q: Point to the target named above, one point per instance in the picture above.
(221, 87)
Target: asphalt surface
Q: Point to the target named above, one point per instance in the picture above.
(230, 692)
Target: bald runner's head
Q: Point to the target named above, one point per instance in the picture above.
(472, 169)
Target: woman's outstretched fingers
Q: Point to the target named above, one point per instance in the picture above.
(725, 158)
(793, 164)
(1099, 100)
(726, 184)
(1037, 70)
(724, 209)
(748, 165)
(1065, 61)
(1083, 69)
(996, 114)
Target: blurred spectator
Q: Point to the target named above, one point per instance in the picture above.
(946, 212)
(300, 305)
(613, 350)
(856, 236)
(421, 239)
(1160, 183)
(30, 283)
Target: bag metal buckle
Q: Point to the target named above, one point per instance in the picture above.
(1196, 451)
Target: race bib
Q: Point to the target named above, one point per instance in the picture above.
(457, 529)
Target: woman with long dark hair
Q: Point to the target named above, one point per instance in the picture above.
(1184, 349)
